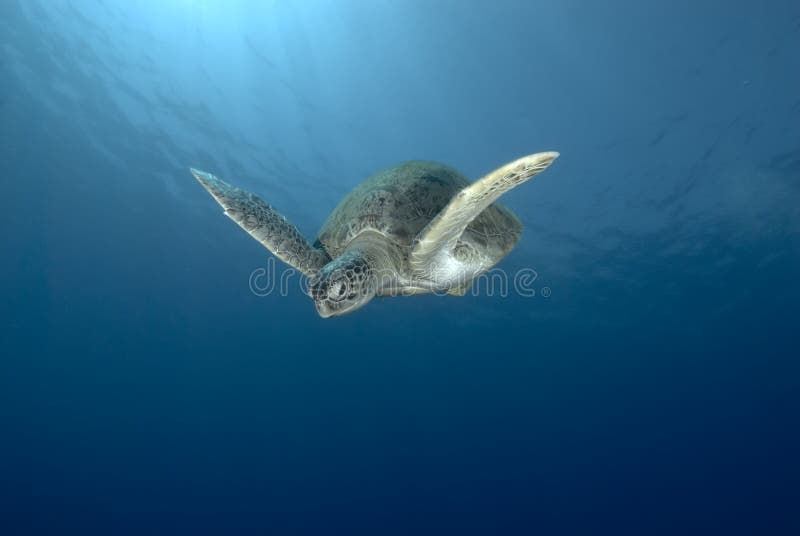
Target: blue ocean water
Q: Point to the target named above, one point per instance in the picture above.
(648, 386)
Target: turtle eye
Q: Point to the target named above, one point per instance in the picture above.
(337, 290)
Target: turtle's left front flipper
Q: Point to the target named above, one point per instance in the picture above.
(436, 241)
(264, 224)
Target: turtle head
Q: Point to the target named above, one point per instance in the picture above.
(343, 285)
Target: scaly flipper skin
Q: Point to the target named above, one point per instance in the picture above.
(434, 244)
(264, 224)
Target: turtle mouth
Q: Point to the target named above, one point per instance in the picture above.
(324, 310)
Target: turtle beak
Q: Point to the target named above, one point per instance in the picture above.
(313, 288)
(323, 310)
(309, 283)
(316, 292)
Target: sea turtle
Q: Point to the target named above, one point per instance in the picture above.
(414, 228)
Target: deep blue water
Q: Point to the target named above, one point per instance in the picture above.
(145, 389)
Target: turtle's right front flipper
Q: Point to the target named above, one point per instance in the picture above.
(434, 244)
(264, 224)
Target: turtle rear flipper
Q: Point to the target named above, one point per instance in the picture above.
(264, 224)
(434, 244)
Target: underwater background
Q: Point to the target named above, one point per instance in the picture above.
(648, 386)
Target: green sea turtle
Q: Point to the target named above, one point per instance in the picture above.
(414, 228)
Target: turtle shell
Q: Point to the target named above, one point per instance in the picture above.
(400, 201)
